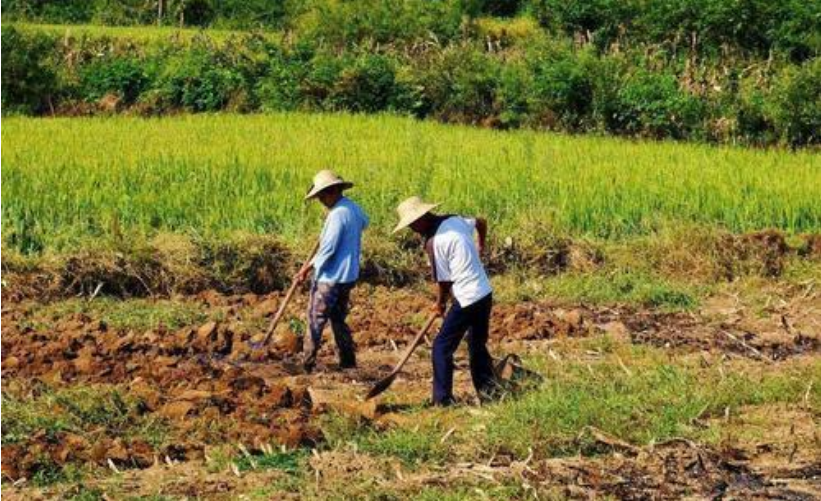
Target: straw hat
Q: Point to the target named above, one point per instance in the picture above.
(325, 179)
(410, 210)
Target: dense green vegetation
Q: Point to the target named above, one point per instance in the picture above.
(66, 179)
(751, 25)
(719, 71)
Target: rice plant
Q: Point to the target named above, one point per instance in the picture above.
(68, 178)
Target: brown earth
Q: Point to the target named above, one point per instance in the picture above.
(200, 377)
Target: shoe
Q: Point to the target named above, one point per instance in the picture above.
(448, 402)
(348, 362)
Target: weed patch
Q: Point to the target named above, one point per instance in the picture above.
(130, 314)
(286, 461)
(644, 401)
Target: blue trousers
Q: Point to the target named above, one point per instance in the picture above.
(475, 321)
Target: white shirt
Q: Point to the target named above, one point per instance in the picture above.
(456, 259)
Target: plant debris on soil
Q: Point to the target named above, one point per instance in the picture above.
(205, 385)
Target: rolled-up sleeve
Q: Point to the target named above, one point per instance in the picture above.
(329, 241)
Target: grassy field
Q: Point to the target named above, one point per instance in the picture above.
(629, 396)
(71, 178)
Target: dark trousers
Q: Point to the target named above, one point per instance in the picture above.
(329, 302)
(475, 320)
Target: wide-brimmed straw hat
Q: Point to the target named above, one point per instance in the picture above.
(324, 179)
(410, 210)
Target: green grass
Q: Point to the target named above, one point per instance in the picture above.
(287, 461)
(634, 393)
(131, 314)
(129, 33)
(68, 179)
(622, 287)
(655, 401)
(92, 412)
(80, 409)
(603, 287)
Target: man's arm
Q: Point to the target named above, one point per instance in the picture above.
(328, 243)
(442, 296)
(441, 276)
(481, 231)
(303, 272)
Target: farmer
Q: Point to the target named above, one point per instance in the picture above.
(335, 269)
(458, 271)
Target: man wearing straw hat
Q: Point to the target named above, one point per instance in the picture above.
(457, 269)
(336, 269)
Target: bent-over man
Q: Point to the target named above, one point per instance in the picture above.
(457, 270)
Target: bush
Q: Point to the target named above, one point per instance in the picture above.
(349, 24)
(29, 81)
(368, 85)
(652, 105)
(753, 118)
(562, 94)
(318, 85)
(199, 80)
(460, 85)
(503, 8)
(603, 20)
(243, 14)
(797, 96)
(512, 80)
(123, 76)
(754, 26)
(281, 87)
(513, 95)
(63, 11)
(124, 12)
(409, 93)
(799, 32)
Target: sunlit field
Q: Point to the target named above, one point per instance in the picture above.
(65, 178)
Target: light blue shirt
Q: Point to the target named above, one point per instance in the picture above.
(340, 244)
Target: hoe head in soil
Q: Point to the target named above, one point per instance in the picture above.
(381, 386)
(388, 380)
(510, 373)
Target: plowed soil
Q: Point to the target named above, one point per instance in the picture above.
(212, 386)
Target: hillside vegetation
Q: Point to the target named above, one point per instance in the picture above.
(718, 71)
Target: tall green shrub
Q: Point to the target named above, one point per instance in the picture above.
(797, 96)
(368, 85)
(651, 104)
(198, 79)
(123, 76)
(30, 80)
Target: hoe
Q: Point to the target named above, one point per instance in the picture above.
(282, 307)
(386, 382)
